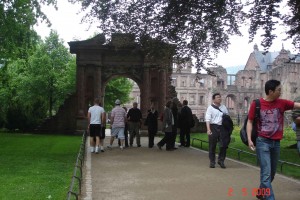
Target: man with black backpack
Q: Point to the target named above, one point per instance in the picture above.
(216, 131)
(270, 132)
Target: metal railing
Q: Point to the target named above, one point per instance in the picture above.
(240, 151)
(78, 165)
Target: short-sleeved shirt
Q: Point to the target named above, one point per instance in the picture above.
(134, 114)
(214, 116)
(96, 112)
(119, 116)
(270, 124)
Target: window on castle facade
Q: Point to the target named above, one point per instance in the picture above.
(174, 82)
(250, 82)
(220, 84)
(201, 100)
(243, 82)
(229, 103)
(201, 82)
(192, 84)
(183, 82)
(192, 99)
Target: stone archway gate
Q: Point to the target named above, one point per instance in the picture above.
(98, 62)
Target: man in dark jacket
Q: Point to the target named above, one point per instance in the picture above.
(185, 123)
(151, 122)
(134, 117)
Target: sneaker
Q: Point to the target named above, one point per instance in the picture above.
(101, 149)
(92, 149)
(109, 147)
(121, 147)
(97, 150)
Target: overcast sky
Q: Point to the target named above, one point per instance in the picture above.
(66, 21)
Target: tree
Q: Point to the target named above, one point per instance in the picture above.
(17, 40)
(17, 18)
(51, 73)
(118, 88)
(199, 28)
(38, 85)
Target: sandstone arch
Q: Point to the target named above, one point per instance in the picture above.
(98, 62)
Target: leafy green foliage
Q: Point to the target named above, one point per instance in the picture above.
(118, 88)
(197, 28)
(35, 87)
(17, 37)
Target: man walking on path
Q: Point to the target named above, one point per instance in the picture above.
(215, 131)
(117, 120)
(134, 117)
(270, 132)
(185, 122)
(96, 117)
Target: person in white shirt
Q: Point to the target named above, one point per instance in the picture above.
(215, 131)
(96, 117)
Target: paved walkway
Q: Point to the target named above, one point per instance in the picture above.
(153, 174)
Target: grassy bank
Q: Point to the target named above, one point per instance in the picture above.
(36, 166)
(286, 153)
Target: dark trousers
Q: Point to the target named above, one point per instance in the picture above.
(167, 139)
(174, 135)
(213, 139)
(185, 136)
(151, 135)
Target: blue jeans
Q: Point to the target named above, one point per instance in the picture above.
(267, 151)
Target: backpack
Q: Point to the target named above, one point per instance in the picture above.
(243, 131)
(226, 121)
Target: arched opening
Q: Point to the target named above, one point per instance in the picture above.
(230, 103)
(122, 88)
(246, 104)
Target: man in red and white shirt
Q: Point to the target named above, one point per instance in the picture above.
(270, 132)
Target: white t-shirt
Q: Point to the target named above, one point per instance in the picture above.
(96, 112)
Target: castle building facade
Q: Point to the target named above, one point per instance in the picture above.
(240, 89)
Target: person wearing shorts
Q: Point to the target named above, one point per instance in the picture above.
(95, 119)
(118, 120)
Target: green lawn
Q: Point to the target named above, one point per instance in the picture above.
(286, 153)
(36, 166)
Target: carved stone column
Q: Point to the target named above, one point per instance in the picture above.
(162, 90)
(80, 85)
(98, 83)
(145, 92)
